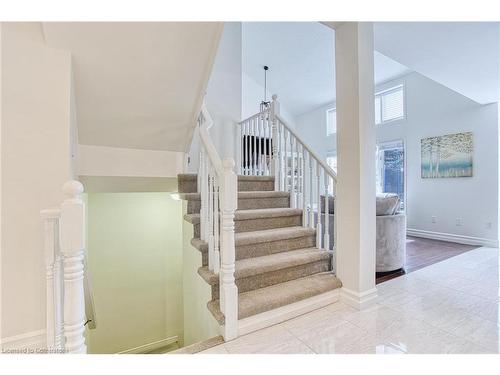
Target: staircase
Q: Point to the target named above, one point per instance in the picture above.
(277, 261)
(267, 246)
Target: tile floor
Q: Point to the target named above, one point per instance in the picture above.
(448, 307)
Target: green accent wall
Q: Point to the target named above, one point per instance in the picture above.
(135, 264)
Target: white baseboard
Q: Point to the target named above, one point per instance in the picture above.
(29, 340)
(467, 240)
(151, 346)
(269, 318)
(357, 300)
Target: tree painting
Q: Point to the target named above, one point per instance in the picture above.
(447, 156)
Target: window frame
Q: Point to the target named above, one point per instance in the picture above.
(401, 86)
(334, 109)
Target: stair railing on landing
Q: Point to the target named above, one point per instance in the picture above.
(269, 146)
(218, 187)
(64, 246)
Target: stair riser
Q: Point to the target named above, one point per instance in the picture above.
(257, 203)
(267, 248)
(267, 223)
(187, 185)
(271, 278)
(247, 185)
(273, 247)
(194, 205)
(252, 225)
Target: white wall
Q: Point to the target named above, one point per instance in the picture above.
(311, 127)
(253, 94)
(433, 110)
(128, 162)
(35, 158)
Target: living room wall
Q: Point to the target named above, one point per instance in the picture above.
(433, 110)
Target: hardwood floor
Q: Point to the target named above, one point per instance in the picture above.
(422, 252)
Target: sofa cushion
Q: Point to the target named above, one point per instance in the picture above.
(387, 204)
(331, 201)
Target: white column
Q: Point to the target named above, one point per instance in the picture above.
(356, 163)
(72, 247)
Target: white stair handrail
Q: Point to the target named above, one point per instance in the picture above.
(218, 187)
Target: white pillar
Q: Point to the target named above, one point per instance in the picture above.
(356, 162)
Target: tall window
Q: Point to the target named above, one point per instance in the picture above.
(390, 105)
(391, 169)
(331, 121)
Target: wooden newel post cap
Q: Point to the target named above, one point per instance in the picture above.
(72, 189)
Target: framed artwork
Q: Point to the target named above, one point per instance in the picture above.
(447, 156)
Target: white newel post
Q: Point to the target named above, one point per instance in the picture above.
(275, 161)
(72, 238)
(228, 289)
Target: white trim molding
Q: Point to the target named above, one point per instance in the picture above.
(29, 341)
(358, 300)
(142, 349)
(467, 240)
(275, 316)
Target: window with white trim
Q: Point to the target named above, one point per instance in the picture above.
(390, 105)
(331, 122)
(331, 160)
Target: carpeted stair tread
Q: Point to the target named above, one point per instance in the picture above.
(259, 213)
(264, 213)
(278, 295)
(276, 234)
(255, 178)
(268, 263)
(260, 236)
(241, 195)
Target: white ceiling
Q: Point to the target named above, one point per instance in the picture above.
(300, 56)
(138, 85)
(463, 56)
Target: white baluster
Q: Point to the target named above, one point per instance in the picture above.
(254, 151)
(266, 144)
(276, 152)
(311, 192)
(334, 239)
(241, 166)
(301, 181)
(318, 224)
(306, 206)
(51, 223)
(210, 219)
(285, 143)
(203, 195)
(327, 229)
(228, 290)
(293, 192)
(259, 145)
(216, 261)
(282, 156)
(72, 237)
